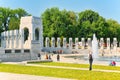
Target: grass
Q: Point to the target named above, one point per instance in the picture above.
(57, 72)
(80, 65)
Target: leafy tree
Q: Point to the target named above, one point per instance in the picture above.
(15, 18)
(90, 22)
(10, 19)
(14, 23)
(56, 22)
(6, 13)
(113, 29)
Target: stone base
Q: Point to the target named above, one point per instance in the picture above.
(16, 57)
(2, 50)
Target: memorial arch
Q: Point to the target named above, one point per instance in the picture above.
(28, 40)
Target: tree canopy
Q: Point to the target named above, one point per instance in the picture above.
(10, 18)
(63, 23)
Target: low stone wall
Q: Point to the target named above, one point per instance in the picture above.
(15, 57)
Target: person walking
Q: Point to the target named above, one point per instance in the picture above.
(46, 56)
(58, 57)
(49, 57)
(90, 60)
(39, 56)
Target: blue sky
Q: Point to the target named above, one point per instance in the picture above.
(106, 8)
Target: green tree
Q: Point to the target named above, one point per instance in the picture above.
(6, 13)
(90, 22)
(56, 22)
(113, 29)
(10, 19)
(16, 15)
(14, 23)
(67, 24)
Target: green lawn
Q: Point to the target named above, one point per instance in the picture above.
(62, 73)
(79, 65)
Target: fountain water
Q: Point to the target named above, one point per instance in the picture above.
(95, 47)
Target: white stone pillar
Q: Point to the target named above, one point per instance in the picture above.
(58, 42)
(115, 41)
(2, 39)
(108, 43)
(47, 42)
(13, 50)
(115, 46)
(64, 42)
(17, 39)
(70, 43)
(76, 43)
(10, 39)
(89, 43)
(53, 42)
(8, 33)
(22, 40)
(83, 42)
(5, 39)
(101, 43)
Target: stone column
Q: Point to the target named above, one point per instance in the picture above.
(12, 41)
(64, 42)
(8, 39)
(17, 38)
(76, 43)
(5, 39)
(2, 39)
(115, 46)
(70, 43)
(47, 42)
(83, 42)
(22, 41)
(58, 42)
(53, 42)
(89, 43)
(101, 43)
(115, 41)
(108, 43)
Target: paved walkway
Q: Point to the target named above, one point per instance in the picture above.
(11, 76)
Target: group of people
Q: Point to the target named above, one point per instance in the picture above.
(48, 57)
